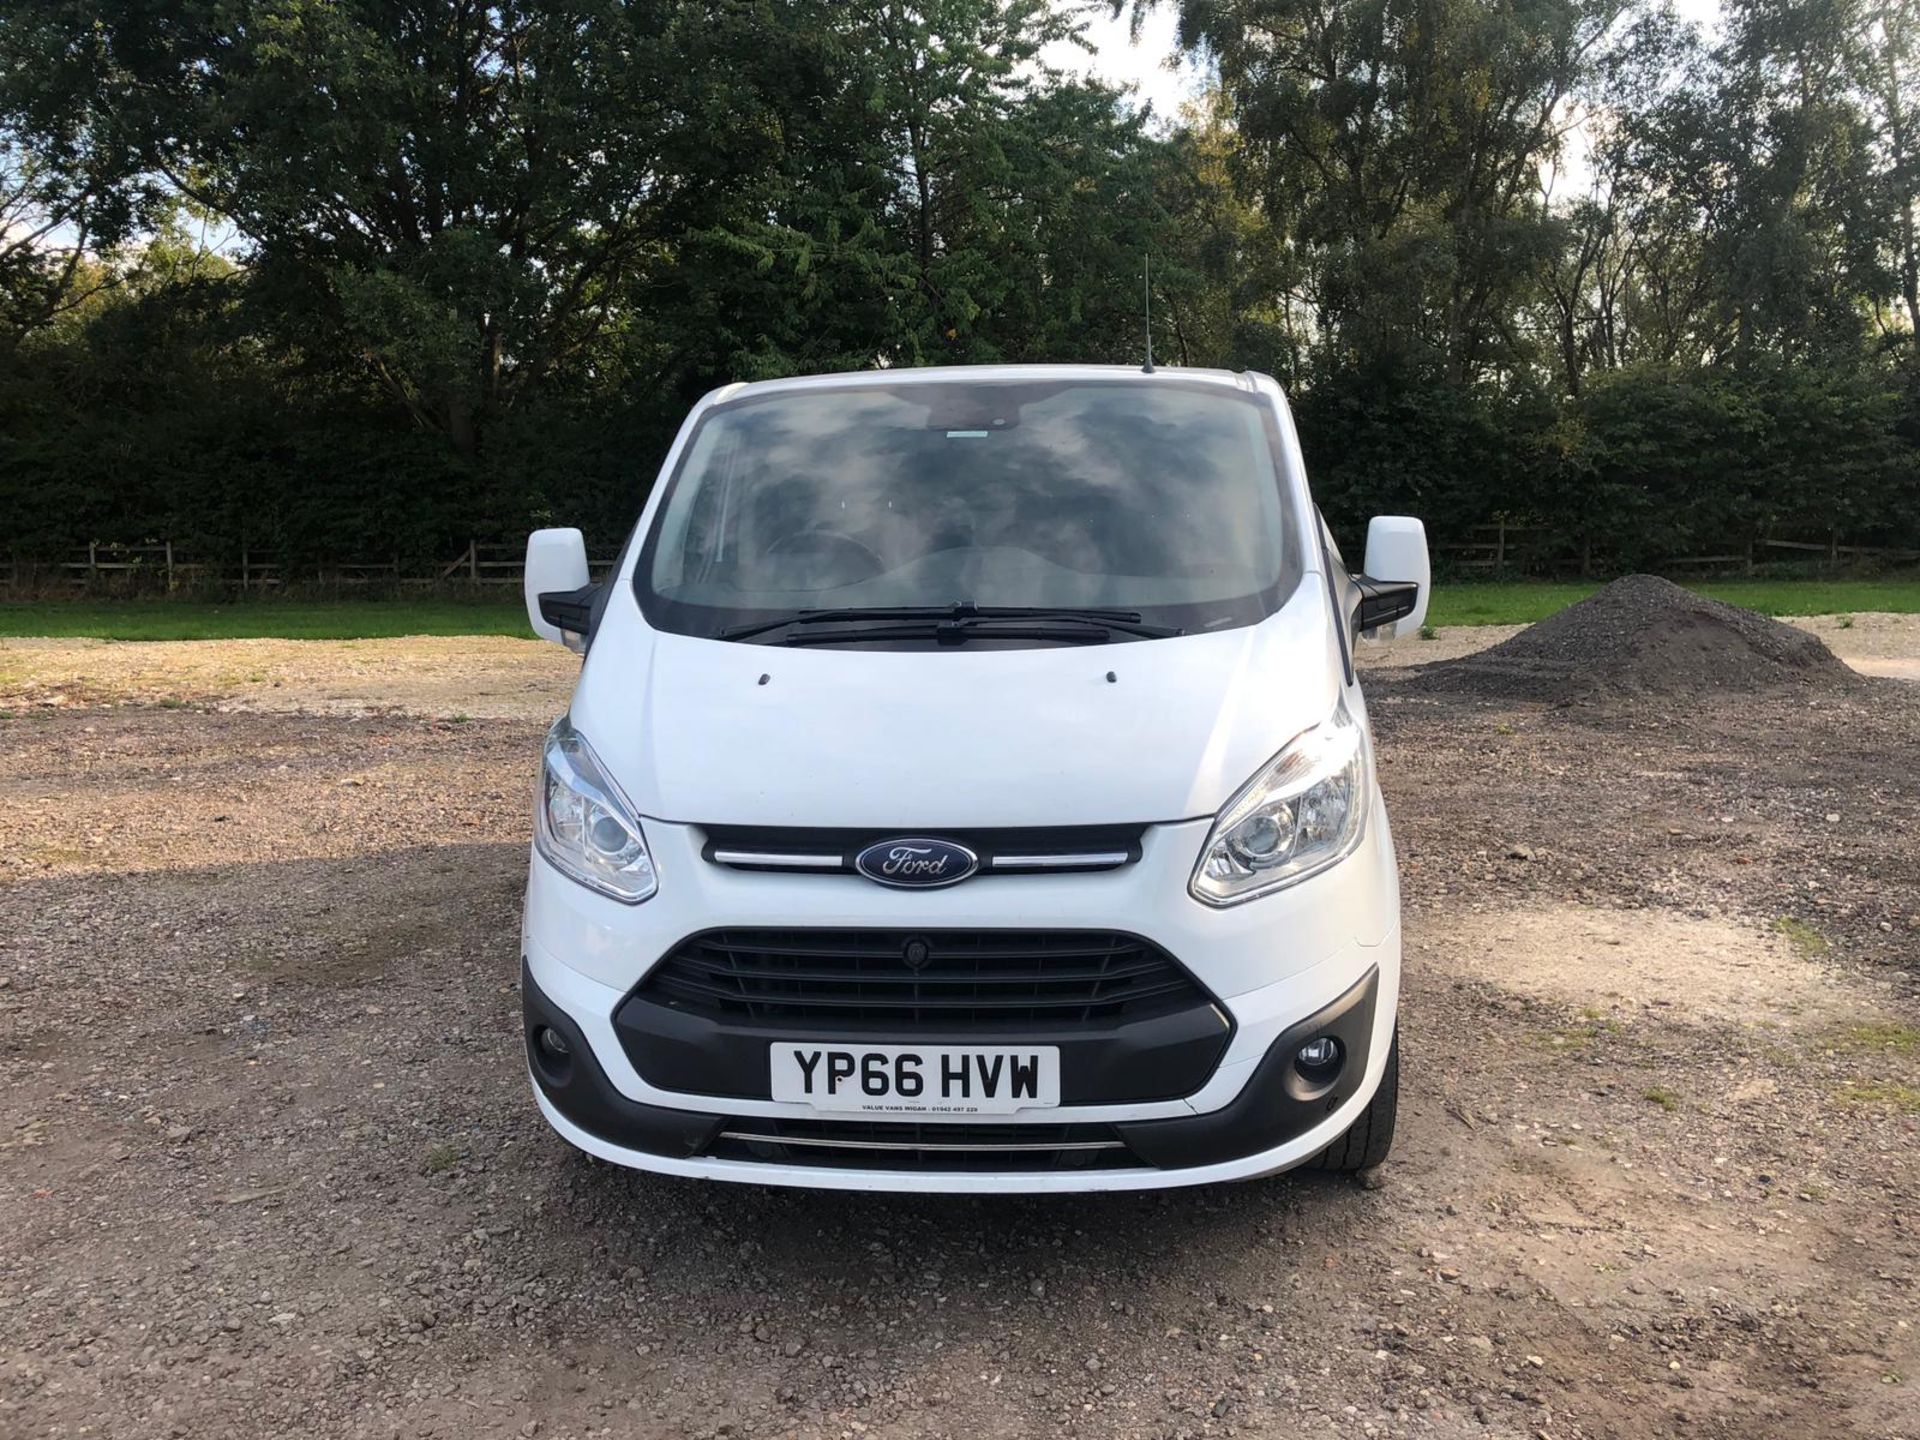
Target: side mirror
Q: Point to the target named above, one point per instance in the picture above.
(556, 576)
(1399, 577)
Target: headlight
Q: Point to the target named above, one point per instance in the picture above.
(1302, 812)
(585, 825)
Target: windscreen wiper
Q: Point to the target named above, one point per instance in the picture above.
(1068, 630)
(943, 621)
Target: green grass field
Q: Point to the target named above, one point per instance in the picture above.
(1523, 602)
(1465, 604)
(250, 619)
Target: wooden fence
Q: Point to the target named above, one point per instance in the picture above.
(483, 563)
(162, 567)
(1497, 548)
(1493, 547)
(1503, 546)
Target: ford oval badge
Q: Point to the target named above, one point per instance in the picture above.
(916, 864)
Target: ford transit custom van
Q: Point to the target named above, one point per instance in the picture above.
(968, 788)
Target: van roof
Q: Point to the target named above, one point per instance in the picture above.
(986, 375)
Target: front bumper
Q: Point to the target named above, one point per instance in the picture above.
(1266, 1126)
(1322, 957)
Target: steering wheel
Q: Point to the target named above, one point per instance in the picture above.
(831, 545)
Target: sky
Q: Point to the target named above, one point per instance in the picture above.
(1120, 61)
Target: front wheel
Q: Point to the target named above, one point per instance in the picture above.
(1370, 1137)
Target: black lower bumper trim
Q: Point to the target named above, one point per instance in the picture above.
(1278, 1103)
(578, 1088)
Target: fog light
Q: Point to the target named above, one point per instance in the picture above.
(551, 1043)
(1318, 1055)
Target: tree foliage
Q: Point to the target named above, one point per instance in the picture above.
(367, 277)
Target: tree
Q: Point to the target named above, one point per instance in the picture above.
(1229, 291)
(54, 221)
(1395, 145)
(1892, 44)
(480, 259)
(456, 195)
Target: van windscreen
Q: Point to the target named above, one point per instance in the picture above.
(1160, 497)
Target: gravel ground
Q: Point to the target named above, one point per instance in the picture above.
(499, 678)
(1876, 644)
(270, 1166)
(491, 677)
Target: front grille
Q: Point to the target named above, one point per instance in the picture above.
(1015, 850)
(885, 1145)
(962, 977)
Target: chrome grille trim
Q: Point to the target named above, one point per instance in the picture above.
(777, 860)
(817, 863)
(1002, 850)
(1098, 860)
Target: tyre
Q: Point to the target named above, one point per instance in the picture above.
(1370, 1137)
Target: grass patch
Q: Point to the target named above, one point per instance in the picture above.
(1489, 603)
(1594, 1026)
(441, 1158)
(1878, 1035)
(1661, 1096)
(1901, 1096)
(1471, 603)
(1802, 936)
(262, 619)
(1523, 602)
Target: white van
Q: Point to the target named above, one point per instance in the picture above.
(968, 788)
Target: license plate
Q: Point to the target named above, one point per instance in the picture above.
(918, 1079)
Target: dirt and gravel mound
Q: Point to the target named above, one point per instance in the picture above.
(1642, 635)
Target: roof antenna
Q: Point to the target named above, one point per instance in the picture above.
(1146, 287)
